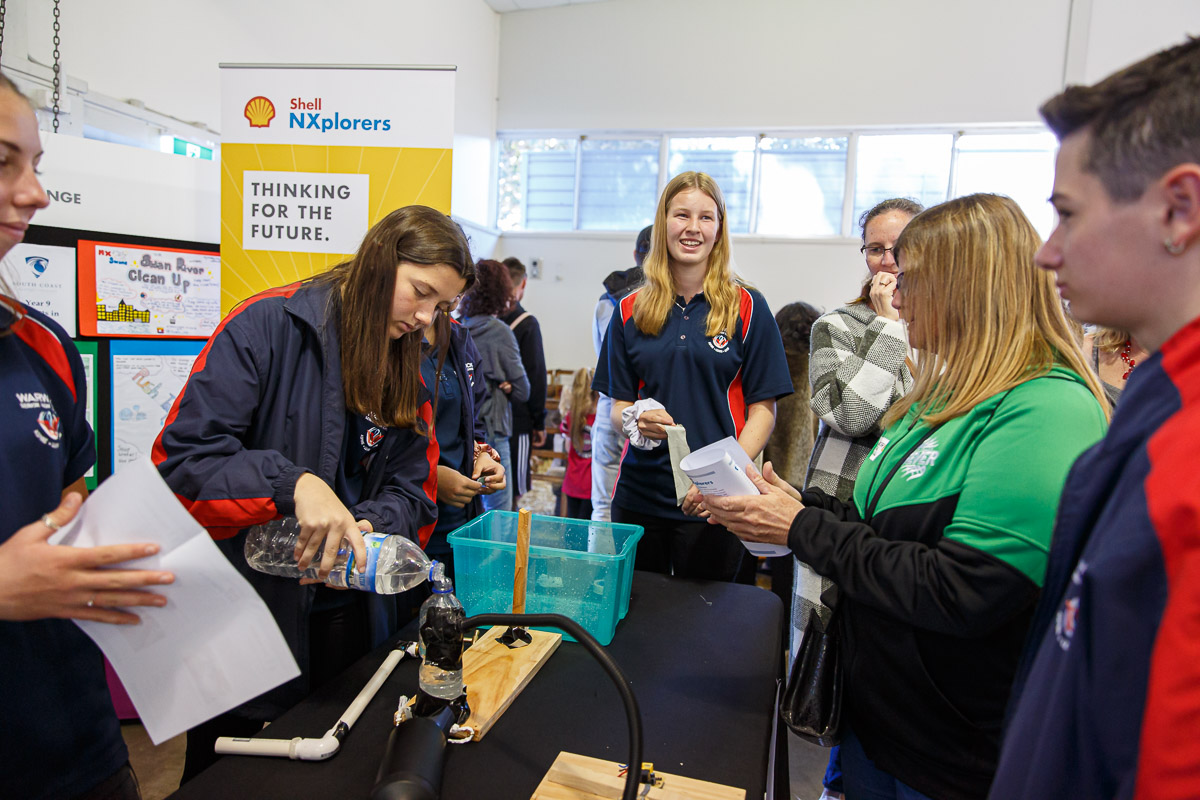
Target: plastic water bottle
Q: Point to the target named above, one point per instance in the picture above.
(441, 636)
(394, 564)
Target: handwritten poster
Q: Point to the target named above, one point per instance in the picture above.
(43, 277)
(146, 292)
(146, 379)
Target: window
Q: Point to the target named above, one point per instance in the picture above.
(802, 186)
(1019, 165)
(901, 165)
(618, 185)
(775, 185)
(537, 185)
(730, 162)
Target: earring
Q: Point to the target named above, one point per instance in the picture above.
(1174, 248)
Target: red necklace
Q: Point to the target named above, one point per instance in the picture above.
(1129, 362)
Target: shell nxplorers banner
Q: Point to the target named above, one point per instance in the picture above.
(312, 156)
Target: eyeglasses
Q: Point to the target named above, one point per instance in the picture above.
(899, 281)
(875, 252)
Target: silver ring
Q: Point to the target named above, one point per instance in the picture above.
(49, 523)
(91, 603)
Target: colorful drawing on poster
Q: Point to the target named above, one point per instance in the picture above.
(146, 379)
(43, 277)
(132, 291)
(88, 351)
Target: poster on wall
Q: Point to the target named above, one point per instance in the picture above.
(87, 351)
(43, 277)
(146, 379)
(132, 291)
(313, 156)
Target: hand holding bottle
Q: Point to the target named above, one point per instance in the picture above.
(323, 518)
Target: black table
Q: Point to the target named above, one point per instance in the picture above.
(704, 659)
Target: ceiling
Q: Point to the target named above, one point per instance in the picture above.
(504, 6)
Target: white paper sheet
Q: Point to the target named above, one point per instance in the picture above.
(719, 470)
(214, 645)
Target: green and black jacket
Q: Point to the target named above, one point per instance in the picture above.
(939, 564)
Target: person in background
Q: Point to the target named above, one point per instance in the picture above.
(1114, 355)
(1105, 703)
(528, 415)
(607, 442)
(940, 558)
(578, 418)
(60, 737)
(500, 364)
(693, 346)
(858, 367)
(468, 467)
(307, 401)
(791, 442)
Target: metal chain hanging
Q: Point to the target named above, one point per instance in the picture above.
(2, 2)
(57, 67)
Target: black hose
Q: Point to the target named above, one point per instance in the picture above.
(634, 771)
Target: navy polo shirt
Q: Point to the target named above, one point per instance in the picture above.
(62, 737)
(705, 382)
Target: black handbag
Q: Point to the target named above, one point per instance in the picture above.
(812, 702)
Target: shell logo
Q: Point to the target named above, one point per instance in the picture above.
(260, 111)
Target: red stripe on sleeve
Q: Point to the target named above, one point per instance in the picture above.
(48, 347)
(224, 518)
(430, 486)
(1169, 750)
(627, 305)
(746, 311)
(737, 404)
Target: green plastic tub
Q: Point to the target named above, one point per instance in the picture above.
(577, 568)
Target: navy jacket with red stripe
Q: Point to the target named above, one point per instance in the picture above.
(1107, 700)
(263, 405)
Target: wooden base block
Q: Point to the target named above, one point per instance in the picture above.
(495, 675)
(576, 777)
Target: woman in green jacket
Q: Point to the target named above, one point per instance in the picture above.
(940, 558)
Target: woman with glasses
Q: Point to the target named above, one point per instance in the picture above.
(940, 556)
(857, 369)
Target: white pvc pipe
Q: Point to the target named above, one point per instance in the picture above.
(327, 746)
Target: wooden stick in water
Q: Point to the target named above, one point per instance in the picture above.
(524, 523)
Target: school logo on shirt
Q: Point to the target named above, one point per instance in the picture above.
(921, 459)
(48, 431)
(371, 438)
(1067, 618)
(719, 343)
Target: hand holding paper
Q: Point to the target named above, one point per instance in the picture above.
(765, 518)
(723, 470)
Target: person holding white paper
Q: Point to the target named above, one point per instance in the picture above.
(701, 345)
(940, 558)
(308, 402)
(60, 736)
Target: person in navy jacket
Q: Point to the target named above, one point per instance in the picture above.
(307, 401)
(706, 348)
(60, 737)
(1106, 702)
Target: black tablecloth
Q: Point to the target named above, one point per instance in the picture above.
(704, 660)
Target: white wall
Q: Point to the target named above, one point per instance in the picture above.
(761, 63)
(1122, 32)
(165, 53)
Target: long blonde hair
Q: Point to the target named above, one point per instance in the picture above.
(653, 303)
(582, 402)
(990, 318)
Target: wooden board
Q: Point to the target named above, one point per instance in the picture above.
(576, 777)
(494, 675)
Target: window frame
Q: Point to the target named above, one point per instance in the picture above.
(849, 228)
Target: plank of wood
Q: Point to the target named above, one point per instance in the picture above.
(495, 674)
(576, 777)
(524, 526)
